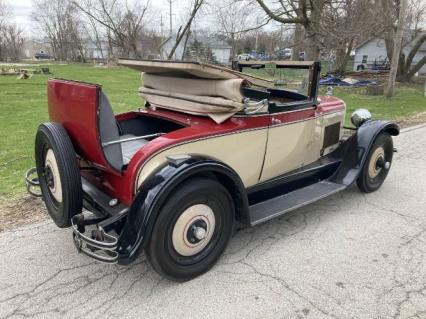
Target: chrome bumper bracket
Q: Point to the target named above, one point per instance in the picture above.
(101, 246)
(31, 182)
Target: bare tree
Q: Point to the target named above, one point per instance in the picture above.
(124, 22)
(58, 20)
(3, 23)
(308, 13)
(234, 18)
(396, 48)
(195, 7)
(11, 39)
(343, 24)
(413, 36)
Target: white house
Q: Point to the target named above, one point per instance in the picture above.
(373, 52)
(220, 49)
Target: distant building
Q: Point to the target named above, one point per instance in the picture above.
(372, 54)
(94, 51)
(220, 49)
(33, 48)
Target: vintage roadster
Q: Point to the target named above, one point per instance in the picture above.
(212, 148)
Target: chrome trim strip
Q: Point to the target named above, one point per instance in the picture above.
(131, 139)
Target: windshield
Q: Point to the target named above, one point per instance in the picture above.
(287, 78)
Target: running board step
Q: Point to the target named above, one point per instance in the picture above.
(280, 205)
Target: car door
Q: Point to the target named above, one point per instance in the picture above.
(291, 142)
(294, 133)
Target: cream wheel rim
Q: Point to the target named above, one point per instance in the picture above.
(193, 230)
(373, 169)
(56, 187)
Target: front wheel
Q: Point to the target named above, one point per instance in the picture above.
(192, 230)
(377, 165)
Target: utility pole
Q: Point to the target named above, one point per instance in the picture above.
(161, 26)
(171, 16)
(397, 43)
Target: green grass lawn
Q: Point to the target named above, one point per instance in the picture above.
(407, 101)
(23, 106)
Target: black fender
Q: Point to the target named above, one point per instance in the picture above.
(155, 190)
(354, 151)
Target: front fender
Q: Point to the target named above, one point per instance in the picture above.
(152, 194)
(355, 150)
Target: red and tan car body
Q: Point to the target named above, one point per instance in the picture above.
(283, 148)
(293, 139)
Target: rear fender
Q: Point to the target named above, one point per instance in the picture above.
(356, 149)
(155, 191)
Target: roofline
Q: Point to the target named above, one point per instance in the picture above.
(279, 64)
(365, 42)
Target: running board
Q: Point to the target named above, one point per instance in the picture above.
(263, 211)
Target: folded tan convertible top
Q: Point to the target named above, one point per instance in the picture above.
(190, 69)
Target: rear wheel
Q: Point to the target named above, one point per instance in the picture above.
(192, 230)
(377, 165)
(58, 173)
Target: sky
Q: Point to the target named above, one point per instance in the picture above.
(22, 12)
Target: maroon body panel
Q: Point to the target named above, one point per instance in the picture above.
(75, 106)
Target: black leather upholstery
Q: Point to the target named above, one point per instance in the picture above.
(119, 154)
(130, 148)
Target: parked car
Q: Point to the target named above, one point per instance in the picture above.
(212, 148)
(243, 57)
(42, 56)
(282, 54)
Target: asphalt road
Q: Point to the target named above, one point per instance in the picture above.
(347, 256)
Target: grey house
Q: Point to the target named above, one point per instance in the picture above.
(372, 54)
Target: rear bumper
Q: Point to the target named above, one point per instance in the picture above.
(96, 234)
(97, 244)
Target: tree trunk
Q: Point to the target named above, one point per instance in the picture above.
(179, 37)
(312, 50)
(185, 44)
(413, 70)
(389, 46)
(298, 42)
(396, 49)
(341, 61)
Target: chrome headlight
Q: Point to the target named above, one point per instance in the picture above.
(360, 116)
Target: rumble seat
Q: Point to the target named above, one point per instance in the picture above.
(119, 154)
(86, 114)
(130, 148)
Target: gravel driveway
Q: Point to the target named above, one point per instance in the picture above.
(348, 256)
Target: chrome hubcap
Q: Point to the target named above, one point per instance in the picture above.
(200, 233)
(377, 163)
(53, 178)
(193, 230)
